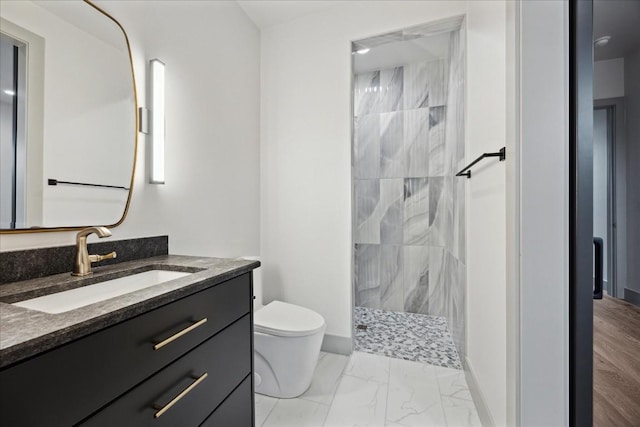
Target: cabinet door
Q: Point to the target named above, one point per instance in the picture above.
(72, 381)
(196, 384)
(236, 410)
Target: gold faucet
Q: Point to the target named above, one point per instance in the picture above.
(82, 266)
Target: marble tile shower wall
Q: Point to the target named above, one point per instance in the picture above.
(409, 233)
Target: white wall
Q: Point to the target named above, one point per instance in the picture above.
(209, 205)
(6, 162)
(601, 184)
(306, 166)
(632, 71)
(486, 203)
(544, 214)
(608, 78)
(512, 169)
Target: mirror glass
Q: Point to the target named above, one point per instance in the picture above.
(67, 116)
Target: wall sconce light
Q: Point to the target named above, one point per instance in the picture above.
(157, 122)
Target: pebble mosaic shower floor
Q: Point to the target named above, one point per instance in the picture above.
(406, 336)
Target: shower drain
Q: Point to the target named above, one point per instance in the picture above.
(361, 327)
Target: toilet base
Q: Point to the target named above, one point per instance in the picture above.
(284, 366)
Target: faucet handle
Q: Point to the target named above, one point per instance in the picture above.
(100, 231)
(96, 258)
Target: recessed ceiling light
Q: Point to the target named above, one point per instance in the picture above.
(9, 92)
(602, 41)
(362, 51)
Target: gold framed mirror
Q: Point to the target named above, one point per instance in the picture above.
(69, 122)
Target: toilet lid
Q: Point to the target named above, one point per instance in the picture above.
(287, 320)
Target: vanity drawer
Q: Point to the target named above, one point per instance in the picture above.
(236, 410)
(203, 377)
(74, 380)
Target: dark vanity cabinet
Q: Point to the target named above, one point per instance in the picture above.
(187, 363)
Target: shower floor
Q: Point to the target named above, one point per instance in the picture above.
(406, 336)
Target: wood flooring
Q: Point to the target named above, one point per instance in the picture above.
(616, 363)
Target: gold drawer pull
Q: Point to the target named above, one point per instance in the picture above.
(179, 334)
(182, 394)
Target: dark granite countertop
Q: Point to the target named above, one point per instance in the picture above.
(25, 333)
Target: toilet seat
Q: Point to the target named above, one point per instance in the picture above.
(287, 320)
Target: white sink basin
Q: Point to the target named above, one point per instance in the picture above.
(79, 297)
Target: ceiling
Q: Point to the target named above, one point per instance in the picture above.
(266, 13)
(402, 52)
(619, 19)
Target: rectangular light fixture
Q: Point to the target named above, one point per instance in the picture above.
(157, 122)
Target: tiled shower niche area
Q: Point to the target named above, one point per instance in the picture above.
(408, 144)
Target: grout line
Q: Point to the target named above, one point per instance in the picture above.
(386, 402)
(444, 413)
(269, 414)
(335, 390)
(324, 421)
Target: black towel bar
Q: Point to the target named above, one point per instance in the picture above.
(57, 181)
(466, 172)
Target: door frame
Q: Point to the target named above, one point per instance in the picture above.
(618, 190)
(610, 251)
(580, 213)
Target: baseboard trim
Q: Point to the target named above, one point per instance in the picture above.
(478, 397)
(605, 285)
(337, 344)
(632, 296)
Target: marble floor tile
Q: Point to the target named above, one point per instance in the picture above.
(358, 402)
(264, 406)
(369, 367)
(325, 378)
(452, 383)
(460, 413)
(401, 371)
(456, 398)
(297, 413)
(406, 336)
(414, 397)
(375, 390)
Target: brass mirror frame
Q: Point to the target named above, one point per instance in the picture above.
(135, 150)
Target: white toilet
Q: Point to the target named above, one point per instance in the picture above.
(287, 341)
